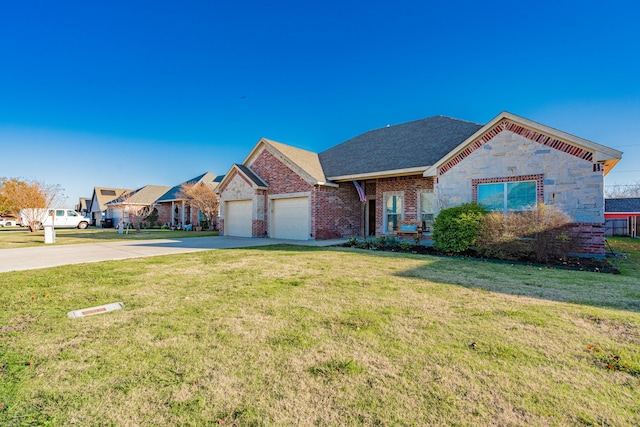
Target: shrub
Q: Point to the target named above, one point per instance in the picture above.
(392, 242)
(539, 234)
(456, 229)
(405, 245)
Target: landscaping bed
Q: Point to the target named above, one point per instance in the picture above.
(597, 265)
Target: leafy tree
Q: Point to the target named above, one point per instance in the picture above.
(33, 198)
(202, 197)
(5, 206)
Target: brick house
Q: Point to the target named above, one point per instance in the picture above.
(412, 170)
(175, 209)
(148, 195)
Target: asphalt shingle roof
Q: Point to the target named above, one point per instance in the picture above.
(418, 143)
(252, 176)
(308, 161)
(205, 178)
(631, 204)
(142, 196)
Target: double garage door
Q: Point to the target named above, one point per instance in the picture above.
(290, 218)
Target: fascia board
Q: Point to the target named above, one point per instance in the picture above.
(379, 174)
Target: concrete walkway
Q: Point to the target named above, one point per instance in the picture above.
(55, 255)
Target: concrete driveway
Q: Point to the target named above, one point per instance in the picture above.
(53, 255)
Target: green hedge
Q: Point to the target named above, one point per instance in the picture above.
(456, 228)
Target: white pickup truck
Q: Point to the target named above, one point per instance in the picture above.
(59, 218)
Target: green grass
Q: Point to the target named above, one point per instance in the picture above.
(17, 237)
(306, 336)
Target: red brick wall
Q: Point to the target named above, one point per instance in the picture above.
(410, 185)
(280, 179)
(336, 212)
(277, 175)
(164, 213)
(590, 239)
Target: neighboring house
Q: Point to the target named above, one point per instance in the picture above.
(622, 216)
(97, 207)
(411, 171)
(83, 205)
(144, 196)
(173, 209)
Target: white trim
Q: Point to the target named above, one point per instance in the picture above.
(289, 195)
(621, 213)
(380, 174)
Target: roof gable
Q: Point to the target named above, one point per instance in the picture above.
(103, 195)
(411, 147)
(254, 180)
(540, 133)
(304, 163)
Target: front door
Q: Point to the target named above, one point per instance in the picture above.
(371, 218)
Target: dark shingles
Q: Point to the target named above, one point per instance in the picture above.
(173, 194)
(407, 145)
(252, 176)
(631, 204)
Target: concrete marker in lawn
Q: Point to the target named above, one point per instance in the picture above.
(83, 312)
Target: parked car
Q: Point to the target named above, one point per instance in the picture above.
(7, 222)
(59, 218)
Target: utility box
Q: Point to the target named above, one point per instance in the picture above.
(49, 234)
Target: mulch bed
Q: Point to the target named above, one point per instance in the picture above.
(597, 265)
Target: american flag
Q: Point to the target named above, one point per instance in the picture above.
(361, 195)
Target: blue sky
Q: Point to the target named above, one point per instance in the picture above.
(124, 94)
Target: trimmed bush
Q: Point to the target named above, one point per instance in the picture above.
(456, 229)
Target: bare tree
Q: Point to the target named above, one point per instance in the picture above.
(202, 197)
(622, 191)
(32, 198)
(136, 211)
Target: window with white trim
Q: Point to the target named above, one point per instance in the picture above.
(427, 211)
(392, 214)
(508, 197)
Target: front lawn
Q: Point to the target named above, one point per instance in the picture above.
(287, 335)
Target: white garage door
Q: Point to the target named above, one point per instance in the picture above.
(290, 219)
(237, 218)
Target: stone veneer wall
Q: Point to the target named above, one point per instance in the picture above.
(239, 188)
(570, 182)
